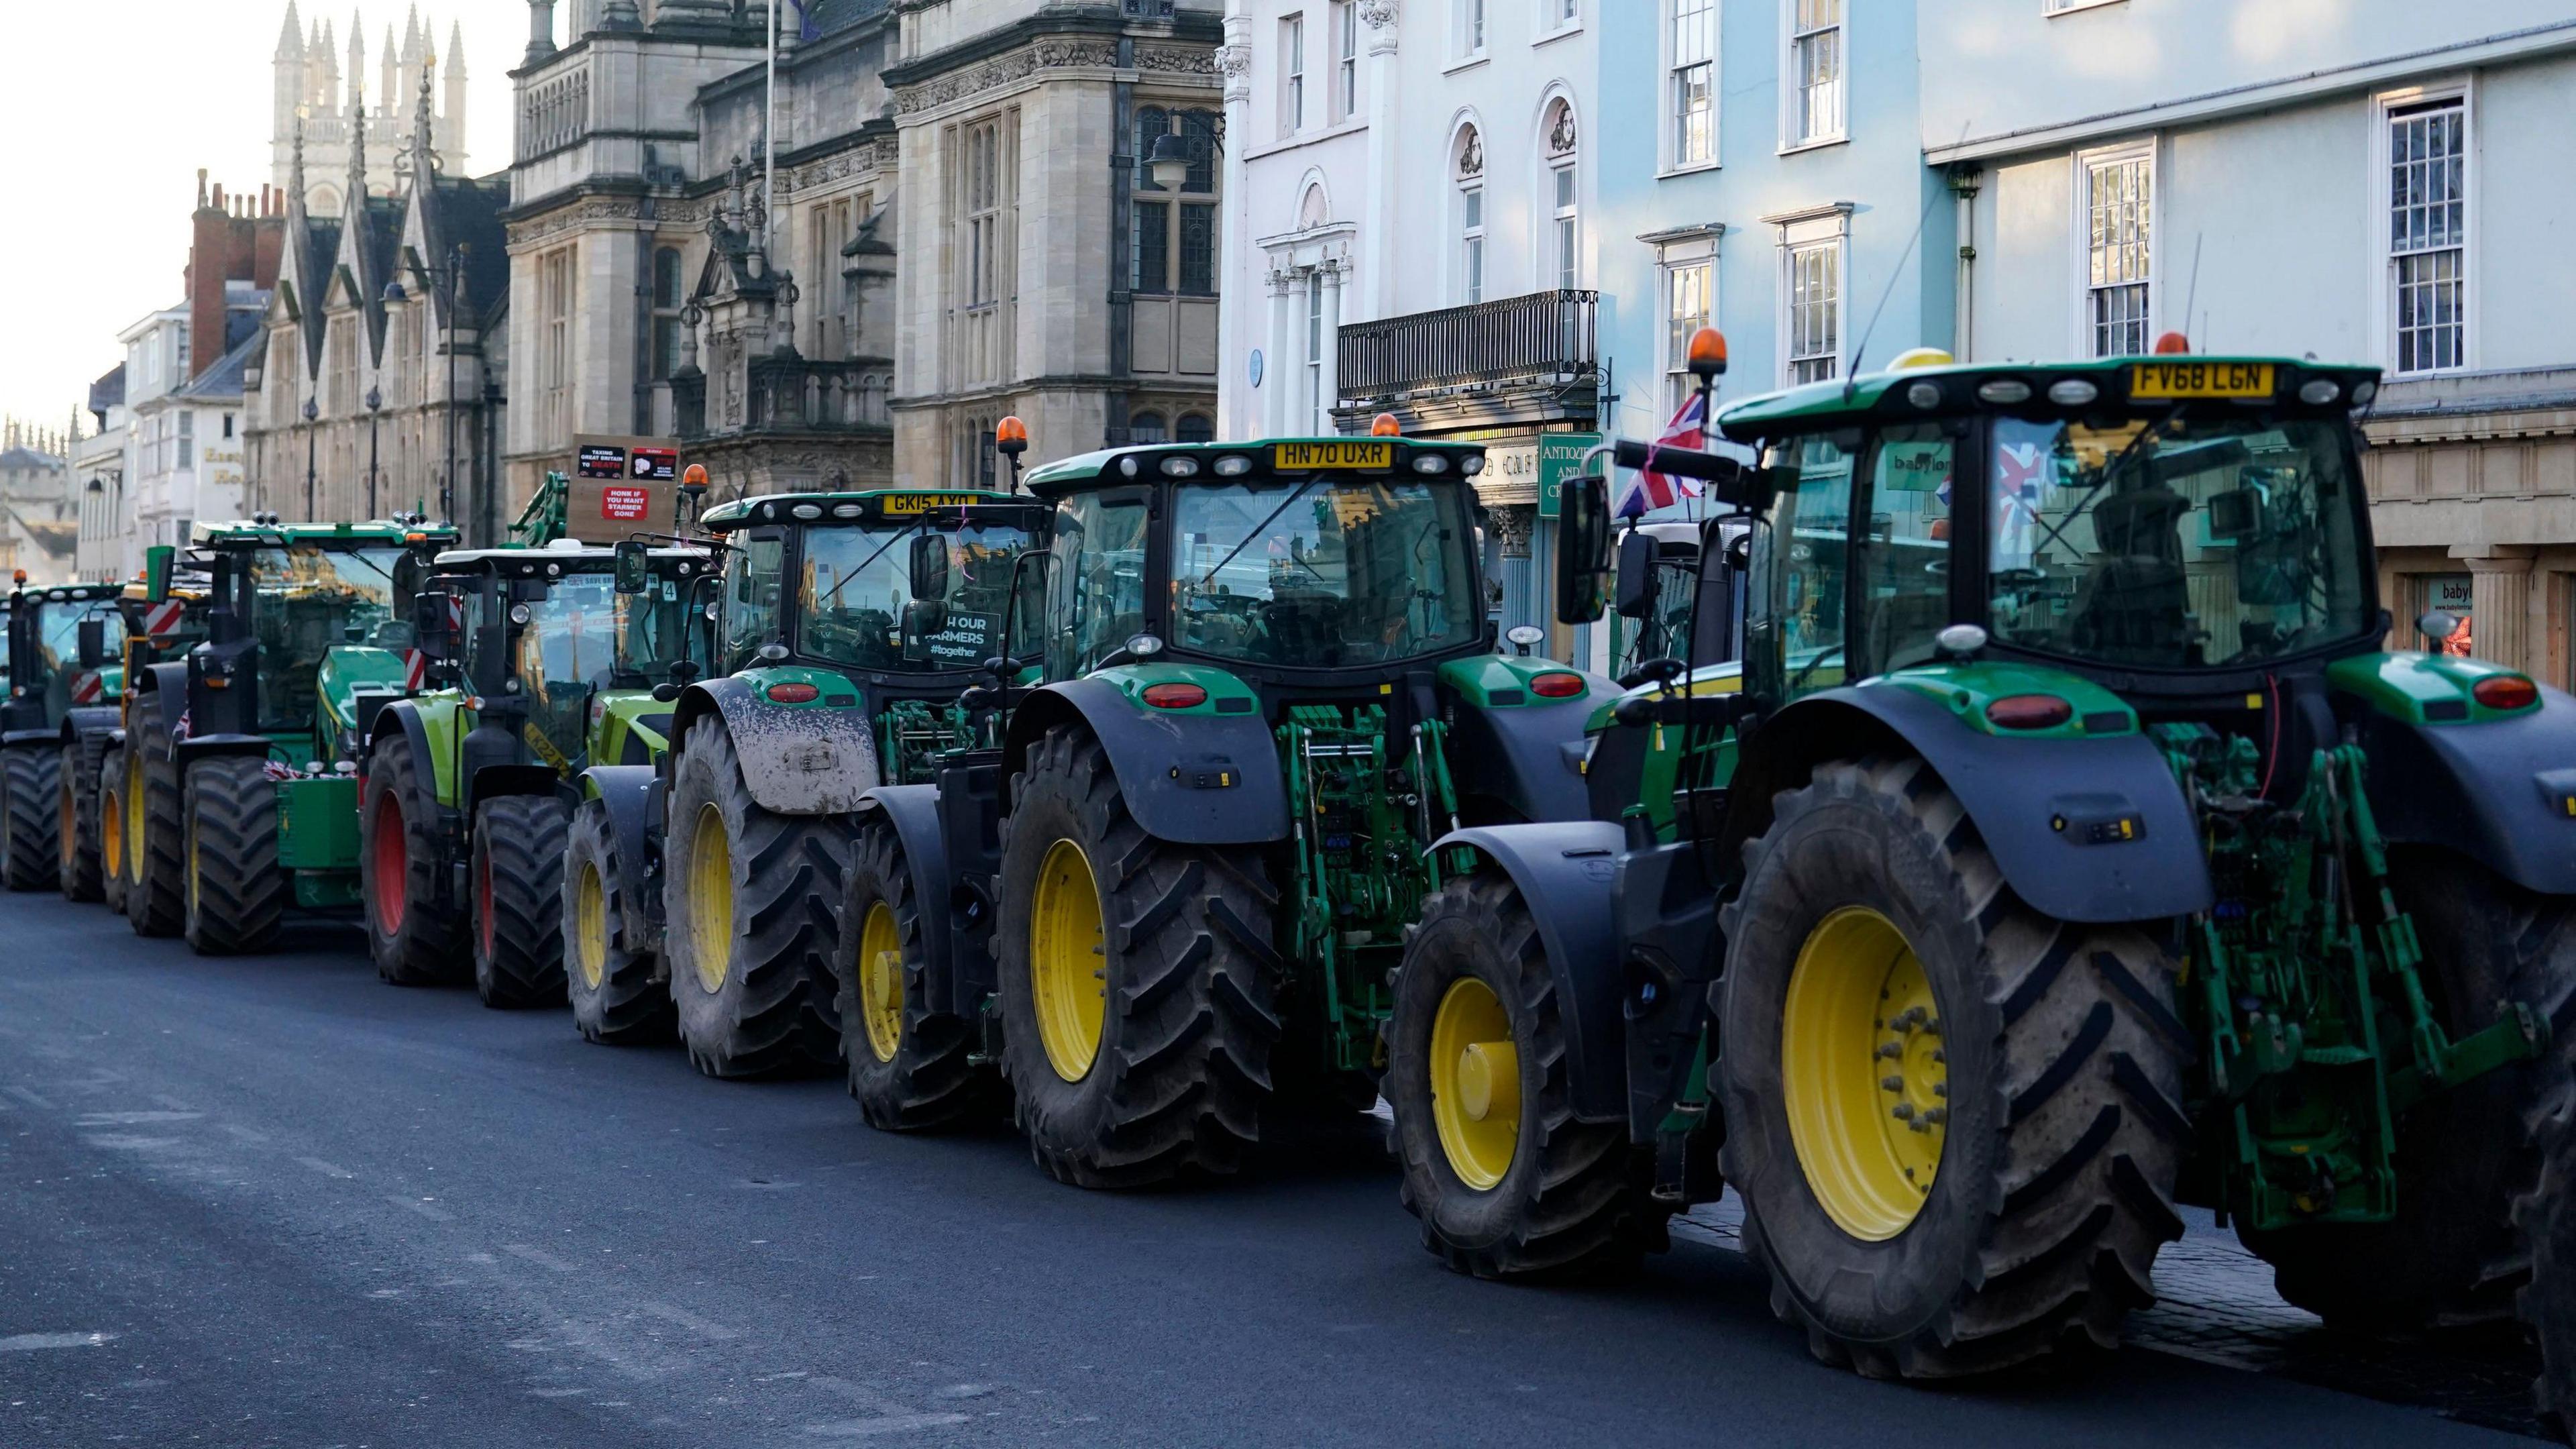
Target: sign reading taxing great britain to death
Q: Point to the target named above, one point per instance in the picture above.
(621, 487)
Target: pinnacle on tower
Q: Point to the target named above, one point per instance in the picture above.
(357, 151)
(389, 85)
(290, 38)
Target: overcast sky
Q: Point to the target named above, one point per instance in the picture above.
(108, 113)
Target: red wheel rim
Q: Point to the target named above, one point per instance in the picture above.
(393, 864)
(483, 898)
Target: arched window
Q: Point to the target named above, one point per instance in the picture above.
(1173, 248)
(1468, 166)
(1196, 428)
(666, 313)
(1146, 428)
(1562, 192)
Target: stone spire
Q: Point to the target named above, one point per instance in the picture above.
(357, 61)
(290, 39)
(455, 98)
(326, 90)
(389, 71)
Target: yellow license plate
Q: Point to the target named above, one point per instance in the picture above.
(1299, 457)
(2200, 379)
(905, 505)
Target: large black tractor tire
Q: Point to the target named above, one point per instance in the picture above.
(1503, 1178)
(30, 858)
(749, 896)
(154, 901)
(517, 873)
(416, 941)
(77, 820)
(910, 1067)
(236, 890)
(113, 867)
(2452, 1255)
(619, 997)
(2547, 1217)
(1954, 1122)
(1160, 1070)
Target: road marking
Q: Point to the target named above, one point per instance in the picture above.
(133, 1119)
(245, 1134)
(891, 1424)
(28, 1096)
(127, 1142)
(690, 1321)
(421, 1206)
(538, 1256)
(324, 1168)
(173, 1103)
(26, 1342)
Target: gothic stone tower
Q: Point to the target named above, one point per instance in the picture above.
(324, 84)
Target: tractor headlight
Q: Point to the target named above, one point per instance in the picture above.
(2004, 391)
(519, 614)
(509, 686)
(1430, 463)
(1180, 466)
(1233, 465)
(2072, 392)
(1144, 646)
(1471, 465)
(2363, 391)
(1924, 395)
(2319, 391)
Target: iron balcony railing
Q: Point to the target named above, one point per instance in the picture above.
(791, 394)
(1545, 337)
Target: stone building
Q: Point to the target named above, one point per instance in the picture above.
(102, 460)
(378, 381)
(39, 519)
(313, 95)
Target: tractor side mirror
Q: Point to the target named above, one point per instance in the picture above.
(93, 643)
(429, 624)
(634, 567)
(528, 591)
(924, 617)
(158, 561)
(930, 568)
(1582, 548)
(1632, 590)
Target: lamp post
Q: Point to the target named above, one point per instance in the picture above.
(310, 413)
(375, 403)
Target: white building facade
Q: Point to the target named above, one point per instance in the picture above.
(184, 461)
(101, 464)
(2373, 182)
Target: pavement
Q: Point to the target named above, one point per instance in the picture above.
(271, 1201)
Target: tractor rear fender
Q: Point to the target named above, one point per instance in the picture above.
(1527, 757)
(797, 759)
(420, 722)
(2083, 829)
(1193, 779)
(220, 747)
(1566, 871)
(912, 811)
(2501, 791)
(627, 792)
(79, 724)
(161, 692)
(491, 782)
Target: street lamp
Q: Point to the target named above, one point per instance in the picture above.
(375, 402)
(310, 413)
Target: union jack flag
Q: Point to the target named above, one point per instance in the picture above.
(2020, 482)
(1650, 489)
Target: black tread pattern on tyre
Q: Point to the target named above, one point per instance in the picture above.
(1184, 1066)
(1577, 1196)
(2056, 1187)
(778, 1010)
(632, 1005)
(427, 947)
(241, 891)
(110, 776)
(30, 858)
(519, 950)
(2452, 1256)
(79, 874)
(931, 1083)
(2547, 1218)
(153, 899)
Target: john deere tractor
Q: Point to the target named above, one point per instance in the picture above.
(165, 617)
(64, 684)
(240, 797)
(2548, 1218)
(2067, 845)
(1178, 890)
(469, 788)
(838, 677)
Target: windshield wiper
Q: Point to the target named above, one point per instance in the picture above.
(899, 536)
(1811, 666)
(1246, 542)
(2110, 470)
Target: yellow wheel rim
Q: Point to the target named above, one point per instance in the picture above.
(192, 874)
(711, 898)
(590, 926)
(1068, 961)
(111, 836)
(1475, 1083)
(1863, 1075)
(881, 981)
(134, 819)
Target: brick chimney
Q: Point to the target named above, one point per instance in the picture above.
(226, 247)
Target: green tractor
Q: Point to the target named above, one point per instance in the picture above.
(58, 719)
(239, 797)
(1174, 897)
(2548, 1219)
(469, 788)
(702, 891)
(2067, 845)
(165, 617)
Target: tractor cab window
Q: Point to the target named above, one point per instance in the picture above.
(57, 641)
(1096, 583)
(858, 580)
(2197, 537)
(1801, 562)
(1322, 574)
(755, 577)
(659, 627)
(1904, 549)
(568, 647)
(309, 598)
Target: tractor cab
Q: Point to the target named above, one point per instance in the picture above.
(532, 636)
(64, 647)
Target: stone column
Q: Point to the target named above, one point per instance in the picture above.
(2500, 611)
(1234, 409)
(1278, 380)
(1330, 375)
(1512, 525)
(1378, 274)
(541, 30)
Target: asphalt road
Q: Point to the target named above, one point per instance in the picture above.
(271, 1201)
